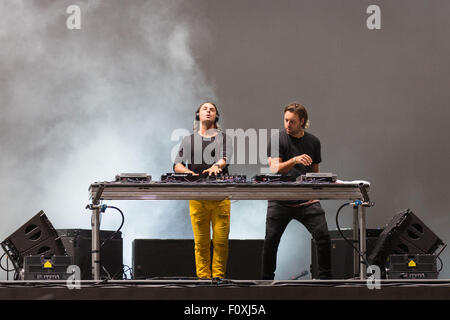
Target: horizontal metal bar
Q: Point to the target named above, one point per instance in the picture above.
(233, 192)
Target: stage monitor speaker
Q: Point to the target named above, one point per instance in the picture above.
(35, 237)
(342, 253)
(157, 258)
(405, 234)
(78, 244)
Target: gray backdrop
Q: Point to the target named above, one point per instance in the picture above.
(79, 106)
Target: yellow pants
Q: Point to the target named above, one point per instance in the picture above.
(204, 214)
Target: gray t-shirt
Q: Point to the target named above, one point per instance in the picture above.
(199, 153)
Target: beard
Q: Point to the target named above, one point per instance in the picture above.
(294, 131)
(208, 123)
(209, 126)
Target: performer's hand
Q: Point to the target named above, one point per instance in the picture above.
(303, 159)
(214, 169)
(191, 172)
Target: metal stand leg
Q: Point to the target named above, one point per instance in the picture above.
(355, 241)
(362, 241)
(95, 223)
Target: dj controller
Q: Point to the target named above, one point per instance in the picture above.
(168, 178)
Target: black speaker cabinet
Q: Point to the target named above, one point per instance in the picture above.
(78, 244)
(155, 258)
(35, 237)
(342, 253)
(244, 259)
(405, 234)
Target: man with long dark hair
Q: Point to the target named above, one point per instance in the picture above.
(207, 151)
(298, 152)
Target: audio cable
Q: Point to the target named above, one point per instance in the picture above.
(361, 255)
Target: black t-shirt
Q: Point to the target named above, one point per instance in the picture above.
(289, 147)
(199, 153)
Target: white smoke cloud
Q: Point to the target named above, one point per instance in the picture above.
(80, 106)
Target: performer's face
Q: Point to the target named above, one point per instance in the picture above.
(207, 113)
(292, 123)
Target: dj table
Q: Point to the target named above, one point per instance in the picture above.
(233, 191)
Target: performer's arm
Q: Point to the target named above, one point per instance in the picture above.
(276, 166)
(182, 157)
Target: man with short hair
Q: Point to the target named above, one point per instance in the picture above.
(298, 152)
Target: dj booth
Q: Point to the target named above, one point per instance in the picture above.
(232, 190)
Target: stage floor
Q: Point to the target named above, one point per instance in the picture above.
(204, 290)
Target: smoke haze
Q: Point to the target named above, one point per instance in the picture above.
(80, 106)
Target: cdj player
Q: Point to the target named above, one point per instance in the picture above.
(273, 177)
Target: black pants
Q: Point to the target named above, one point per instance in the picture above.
(313, 218)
